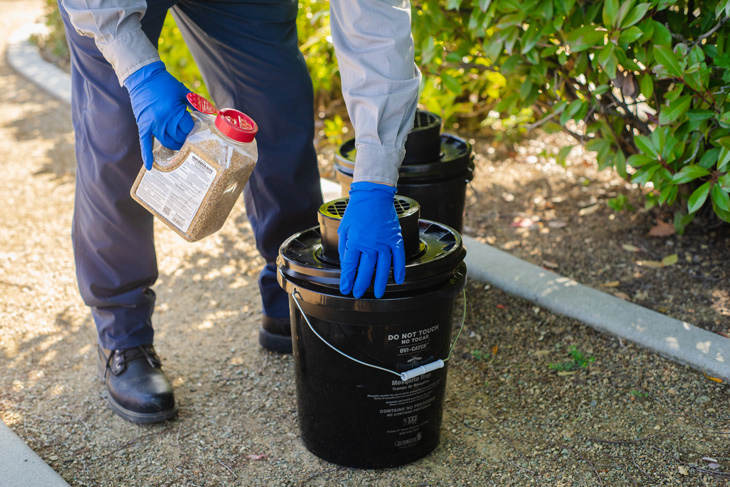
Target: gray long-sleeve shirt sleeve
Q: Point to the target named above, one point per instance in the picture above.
(374, 49)
(115, 27)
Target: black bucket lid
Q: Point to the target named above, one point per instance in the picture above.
(440, 252)
(455, 159)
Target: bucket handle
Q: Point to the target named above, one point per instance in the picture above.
(404, 376)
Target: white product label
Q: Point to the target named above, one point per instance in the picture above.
(178, 194)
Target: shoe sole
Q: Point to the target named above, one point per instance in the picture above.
(133, 416)
(274, 342)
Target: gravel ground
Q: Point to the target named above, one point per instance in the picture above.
(514, 414)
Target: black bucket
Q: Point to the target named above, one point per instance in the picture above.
(423, 143)
(439, 184)
(371, 373)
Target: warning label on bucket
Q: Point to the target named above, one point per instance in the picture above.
(412, 342)
(406, 408)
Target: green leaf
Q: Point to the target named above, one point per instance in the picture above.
(724, 118)
(658, 138)
(723, 159)
(526, 89)
(604, 55)
(623, 10)
(547, 9)
(661, 36)
(428, 50)
(666, 57)
(530, 38)
(694, 80)
(510, 20)
(700, 115)
(570, 111)
(681, 221)
(676, 109)
(636, 14)
(563, 154)
(647, 86)
(689, 173)
(670, 259)
(610, 11)
(611, 66)
(672, 95)
(698, 198)
(668, 194)
(724, 181)
(722, 7)
(723, 61)
(484, 4)
(638, 160)
(720, 198)
(602, 148)
(709, 158)
(619, 162)
(584, 37)
(646, 146)
(451, 83)
(511, 65)
(452, 4)
(724, 142)
(626, 62)
(643, 175)
(630, 35)
(647, 27)
(493, 49)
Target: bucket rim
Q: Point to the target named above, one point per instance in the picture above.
(456, 157)
(300, 259)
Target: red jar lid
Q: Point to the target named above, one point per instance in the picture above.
(236, 125)
(231, 123)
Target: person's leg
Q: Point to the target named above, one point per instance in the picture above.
(112, 234)
(250, 60)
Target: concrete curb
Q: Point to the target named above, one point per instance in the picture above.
(676, 340)
(25, 58)
(673, 339)
(20, 466)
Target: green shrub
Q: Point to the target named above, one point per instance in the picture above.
(643, 84)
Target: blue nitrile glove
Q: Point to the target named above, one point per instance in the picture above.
(369, 240)
(159, 105)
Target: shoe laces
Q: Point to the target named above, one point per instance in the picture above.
(130, 354)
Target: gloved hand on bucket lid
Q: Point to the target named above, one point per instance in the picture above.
(370, 240)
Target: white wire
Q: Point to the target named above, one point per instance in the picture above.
(304, 315)
(296, 301)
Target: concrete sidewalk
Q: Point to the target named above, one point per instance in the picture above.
(20, 466)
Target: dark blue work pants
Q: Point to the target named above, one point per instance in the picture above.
(248, 55)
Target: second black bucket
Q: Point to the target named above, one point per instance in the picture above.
(371, 373)
(439, 185)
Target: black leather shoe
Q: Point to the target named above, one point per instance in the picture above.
(275, 334)
(138, 388)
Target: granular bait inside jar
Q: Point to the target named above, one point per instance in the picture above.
(193, 190)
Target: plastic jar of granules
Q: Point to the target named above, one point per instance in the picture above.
(193, 190)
